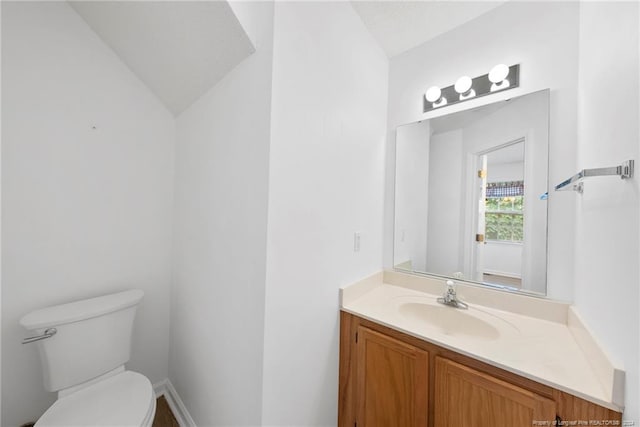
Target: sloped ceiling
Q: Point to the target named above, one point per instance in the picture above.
(179, 49)
(401, 25)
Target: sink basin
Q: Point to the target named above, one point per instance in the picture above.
(451, 321)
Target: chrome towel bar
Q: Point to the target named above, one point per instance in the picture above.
(625, 170)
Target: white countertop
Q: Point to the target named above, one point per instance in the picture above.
(543, 348)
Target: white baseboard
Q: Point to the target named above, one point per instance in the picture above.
(503, 273)
(166, 389)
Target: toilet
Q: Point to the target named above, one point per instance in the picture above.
(83, 347)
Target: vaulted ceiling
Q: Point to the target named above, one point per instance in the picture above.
(401, 25)
(179, 49)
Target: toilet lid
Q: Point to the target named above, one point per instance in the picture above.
(122, 400)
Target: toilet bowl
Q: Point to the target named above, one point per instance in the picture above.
(125, 399)
(83, 347)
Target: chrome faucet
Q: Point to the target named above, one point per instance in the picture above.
(450, 297)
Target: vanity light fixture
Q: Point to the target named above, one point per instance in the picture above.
(434, 96)
(501, 77)
(498, 77)
(464, 86)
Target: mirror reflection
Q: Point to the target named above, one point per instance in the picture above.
(471, 194)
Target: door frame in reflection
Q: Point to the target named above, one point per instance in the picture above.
(474, 262)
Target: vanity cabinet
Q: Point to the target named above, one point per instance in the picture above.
(391, 379)
(467, 397)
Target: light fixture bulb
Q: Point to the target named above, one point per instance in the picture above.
(433, 94)
(463, 84)
(498, 73)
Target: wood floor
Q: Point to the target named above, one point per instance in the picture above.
(164, 417)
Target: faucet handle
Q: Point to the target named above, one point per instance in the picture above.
(451, 287)
(450, 298)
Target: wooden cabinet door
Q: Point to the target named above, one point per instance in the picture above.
(391, 382)
(469, 398)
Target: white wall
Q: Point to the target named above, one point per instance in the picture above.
(504, 172)
(412, 196)
(446, 217)
(217, 313)
(503, 258)
(85, 212)
(606, 243)
(543, 38)
(325, 183)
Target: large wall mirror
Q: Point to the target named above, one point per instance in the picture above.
(471, 194)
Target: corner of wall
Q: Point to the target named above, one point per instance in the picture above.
(177, 406)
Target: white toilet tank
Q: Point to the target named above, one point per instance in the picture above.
(93, 336)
